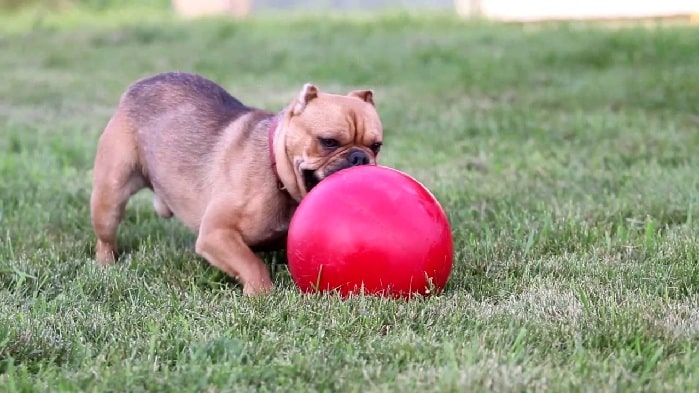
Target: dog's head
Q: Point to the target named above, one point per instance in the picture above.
(324, 133)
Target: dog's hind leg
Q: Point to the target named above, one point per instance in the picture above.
(116, 177)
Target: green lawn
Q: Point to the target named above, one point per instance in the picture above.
(567, 159)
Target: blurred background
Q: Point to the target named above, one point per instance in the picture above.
(565, 155)
(493, 9)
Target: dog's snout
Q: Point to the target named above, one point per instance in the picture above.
(358, 157)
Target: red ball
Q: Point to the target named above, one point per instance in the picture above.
(370, 229)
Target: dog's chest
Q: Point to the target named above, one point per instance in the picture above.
(274, 238)
(280, 226)
(275, 232)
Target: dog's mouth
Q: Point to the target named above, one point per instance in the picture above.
(310, 179)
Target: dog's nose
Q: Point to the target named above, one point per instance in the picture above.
(358, 157)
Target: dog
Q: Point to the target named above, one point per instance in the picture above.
(233, 174)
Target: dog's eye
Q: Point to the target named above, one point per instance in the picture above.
(329, 143)
(376, 147)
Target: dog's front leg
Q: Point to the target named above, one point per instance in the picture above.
(225, 250)
(223, 247)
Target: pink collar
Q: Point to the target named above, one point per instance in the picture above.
(272, 129)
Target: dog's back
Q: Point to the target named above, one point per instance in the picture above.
(173, 122)
(182, 103)
(179, 106)
(188, 94)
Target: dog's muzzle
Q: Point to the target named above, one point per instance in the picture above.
(358, 157)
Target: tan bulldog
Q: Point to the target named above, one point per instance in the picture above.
(233, 174)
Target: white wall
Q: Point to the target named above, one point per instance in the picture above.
(580, 9)
(497, 9)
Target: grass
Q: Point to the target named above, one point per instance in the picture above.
(565, 156)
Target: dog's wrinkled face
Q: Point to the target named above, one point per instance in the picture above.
(326, 133)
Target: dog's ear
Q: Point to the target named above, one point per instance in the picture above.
(364, 95)
(308, 93)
